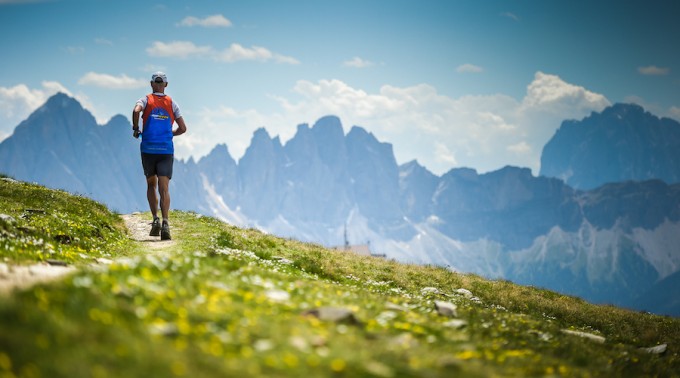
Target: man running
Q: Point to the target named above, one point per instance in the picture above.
(158, 113)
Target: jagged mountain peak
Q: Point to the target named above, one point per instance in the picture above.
(118, 119)
(329, 126)
(220, 151)
(623, 142)
(61, 100)
(59, 111)
(625, 109)
(261, 134)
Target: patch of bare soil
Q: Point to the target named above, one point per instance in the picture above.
(140, 227)
(23, 276)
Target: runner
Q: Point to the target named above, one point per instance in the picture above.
(158, 113)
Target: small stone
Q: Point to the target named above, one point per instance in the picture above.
(7, 219)
(446, 308)
(659, 349)
(56, 262)
(10, 180)
(282, 260)
(465, 292)
(585, 335)
(429, 290)
(395, 307)
(333, 314)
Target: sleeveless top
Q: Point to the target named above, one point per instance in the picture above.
(158, 118)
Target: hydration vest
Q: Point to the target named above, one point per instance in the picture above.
(157, 119)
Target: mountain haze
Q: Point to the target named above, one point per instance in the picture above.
(614, 243)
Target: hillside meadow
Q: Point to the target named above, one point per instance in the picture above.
(226, 301)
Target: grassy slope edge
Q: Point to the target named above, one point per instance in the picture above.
(225, 301)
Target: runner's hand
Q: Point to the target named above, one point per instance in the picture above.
(136, 133)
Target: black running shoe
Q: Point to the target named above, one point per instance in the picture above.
(155, 227)
(165, 231)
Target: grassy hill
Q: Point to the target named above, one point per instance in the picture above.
(226, 301)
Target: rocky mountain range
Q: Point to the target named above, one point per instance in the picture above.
(623, 142)
(611, 242)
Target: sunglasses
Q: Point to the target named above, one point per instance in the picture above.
(158, 80)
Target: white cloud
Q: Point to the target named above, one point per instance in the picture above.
(17, 102)
(469, 68)
(103, 41)
(510, 15)
(520, 148)
(482, 132)
(654, 70)
(234, 53)
(214, 21)
(552, 90)
(357, 62)
(112, 82)
(444, 155)
(178, 49)
(74, 50)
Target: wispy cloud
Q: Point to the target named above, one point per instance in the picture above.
(103, 41)
(214, 21)
(178, 49)
(17, 102)
(357, 62)
(654, 70)
(510, 15)
(111, 82)
(491, 130)
(469, 68)
(519, 148)
(74, 50)
(234, 53)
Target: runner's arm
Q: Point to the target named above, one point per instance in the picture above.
(181, 127)
(135, 116)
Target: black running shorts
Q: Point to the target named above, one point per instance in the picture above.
(157, 164)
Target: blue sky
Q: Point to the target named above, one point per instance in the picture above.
(449, 83)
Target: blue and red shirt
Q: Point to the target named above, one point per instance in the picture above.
(159, 114)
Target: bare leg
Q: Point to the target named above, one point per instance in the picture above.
(151, 184)
(164, 191)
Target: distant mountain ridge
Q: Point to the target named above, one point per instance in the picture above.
(61, 146)
(611, 244)
(621, 143)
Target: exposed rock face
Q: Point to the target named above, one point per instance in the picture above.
(622, 143)
(61, 146)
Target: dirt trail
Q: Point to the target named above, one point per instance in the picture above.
(139, 228)
(24, 276)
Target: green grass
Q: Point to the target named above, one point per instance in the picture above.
(54, 225)
(226, 301)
